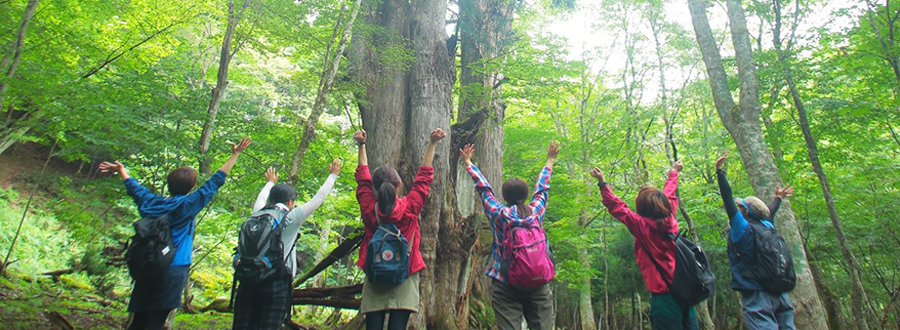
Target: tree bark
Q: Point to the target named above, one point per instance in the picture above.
(331, 64)
(218, 92)
(743, 124)
(18, 47)
(399, 109)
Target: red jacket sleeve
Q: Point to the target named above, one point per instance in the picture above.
(620, 211)
(420, 188)
(366, 197)
(670, 188)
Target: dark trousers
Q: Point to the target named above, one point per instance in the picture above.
(262, 306)
(667, 314)
(764, 310)
(154, 320)
(397, 320)
(512, 304)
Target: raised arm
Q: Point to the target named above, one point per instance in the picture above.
(736, 219)
(137, 192)
(492, 207)
(781, 193)
(360, 137)
(436, 135)
(542, 187)
(616, 207)
(672, 185)
(236, 150)
(263, 197)
(310, 206)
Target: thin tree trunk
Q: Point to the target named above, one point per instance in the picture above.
(332, 63)
(12, 245)
(218, 92)
(854, 269)
(743, 124)
(18, 47)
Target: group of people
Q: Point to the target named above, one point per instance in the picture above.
(389, 254)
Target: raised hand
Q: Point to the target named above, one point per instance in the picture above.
(553, 150)
(784, 192)
(240, 147)
(335, 167)
(678, 166)
(271, 175)
(466, 153)
(598, 174)
(107, 167)
(360, 136)
(721, 160)
(436, 135)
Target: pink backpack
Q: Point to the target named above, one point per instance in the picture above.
(526, 253)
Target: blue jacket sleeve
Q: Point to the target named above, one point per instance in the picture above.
(197, 200)
(138, 193)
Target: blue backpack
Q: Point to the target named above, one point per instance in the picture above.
(387, 255)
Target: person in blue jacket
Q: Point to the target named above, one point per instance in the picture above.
(761, 309)
(151, 302)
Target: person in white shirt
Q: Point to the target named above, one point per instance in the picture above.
(265, 305)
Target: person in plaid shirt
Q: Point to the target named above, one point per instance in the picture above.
(511, 304)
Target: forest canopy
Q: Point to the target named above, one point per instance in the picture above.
(803, 92)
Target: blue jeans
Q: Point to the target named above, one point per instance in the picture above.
(764, 310)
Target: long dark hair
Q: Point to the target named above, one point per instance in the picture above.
(515, 192)
(652, 203)
(386, 181)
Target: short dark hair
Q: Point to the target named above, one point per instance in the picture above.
(182, 180)
(515, 192)
(281, 193)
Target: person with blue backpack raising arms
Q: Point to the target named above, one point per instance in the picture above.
(762, 267)
(265, 262)
(389, 253)
(523, 266)
(653, 226)
(159, 282)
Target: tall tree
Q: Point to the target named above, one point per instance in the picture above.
(399, 108)
(330, 64)
(859, 299)
(742, 120)
(9, 64)
(218, 92)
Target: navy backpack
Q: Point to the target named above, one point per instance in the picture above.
(387, 255)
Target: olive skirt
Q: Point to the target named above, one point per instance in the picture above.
(379, 297)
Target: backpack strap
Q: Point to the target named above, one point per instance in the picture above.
(662, 274)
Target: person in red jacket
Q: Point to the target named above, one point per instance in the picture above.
(650, 226)
(378, 192)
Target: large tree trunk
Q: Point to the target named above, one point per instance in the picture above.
(331, 63)
(859, 304)
(218, 92)
(743, 124)
(399, 109)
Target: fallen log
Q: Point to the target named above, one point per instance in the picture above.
(338, 292)
(339, 252)
(346, 303)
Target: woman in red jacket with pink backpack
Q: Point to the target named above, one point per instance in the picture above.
(654, 251)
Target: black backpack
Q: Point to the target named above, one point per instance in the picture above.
(151, 250)
(260, 252)
(773, 268)
(693, 280)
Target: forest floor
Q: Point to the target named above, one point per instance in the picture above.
(32, 301)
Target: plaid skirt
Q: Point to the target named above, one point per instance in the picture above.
(262, 306)
(379, 297)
